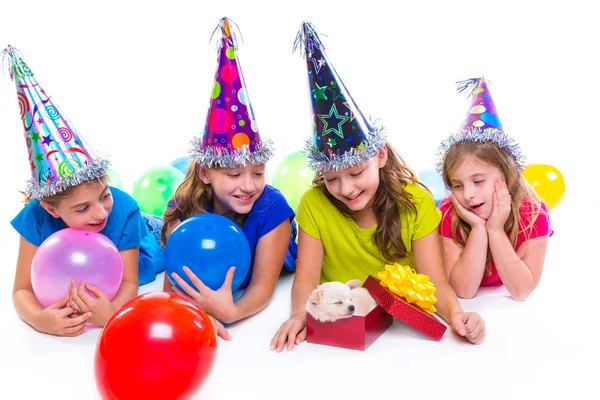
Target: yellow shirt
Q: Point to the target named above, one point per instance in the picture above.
(349, 251)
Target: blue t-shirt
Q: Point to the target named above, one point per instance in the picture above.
(125, 228)
(267, 213)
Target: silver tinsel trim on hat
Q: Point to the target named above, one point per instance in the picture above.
(219, 157)
(232, 39)
(307, 30)
(322, 162)
(468, 85)
(477, 135)
(8, 59)
(96, 169)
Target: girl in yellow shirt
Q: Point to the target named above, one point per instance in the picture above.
(363, 196)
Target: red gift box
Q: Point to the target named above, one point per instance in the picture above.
(404, 311)
(356, 333)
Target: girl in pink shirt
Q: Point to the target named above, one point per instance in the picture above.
(494, 227)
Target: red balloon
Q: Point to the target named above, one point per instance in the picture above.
(157, 346)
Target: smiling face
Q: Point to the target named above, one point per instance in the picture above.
(235, 189)
(356, 187)
(472, 182)
(85, 207)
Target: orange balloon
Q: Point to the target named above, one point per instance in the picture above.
(547, 181)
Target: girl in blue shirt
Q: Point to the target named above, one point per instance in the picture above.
(69, 188)
(227, 177)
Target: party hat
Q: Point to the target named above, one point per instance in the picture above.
(342, 137)
(231, 136)
(59, 157)
(481, 123)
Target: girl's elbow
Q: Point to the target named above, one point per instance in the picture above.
(522, 292)
(464, 290)
(520, 295)
(20, 289)
(465, 293)
(15, 300)
(266, 302)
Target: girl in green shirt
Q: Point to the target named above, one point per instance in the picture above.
(366, 208)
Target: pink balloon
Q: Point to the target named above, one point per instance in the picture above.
(75, 254)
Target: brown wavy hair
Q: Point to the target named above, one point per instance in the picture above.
(491, 154)
(192, 197)
(390, 195)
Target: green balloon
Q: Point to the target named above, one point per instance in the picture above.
(114, 179)
(293, 177)
(155, 187)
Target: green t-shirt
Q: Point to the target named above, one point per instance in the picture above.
(349, 251)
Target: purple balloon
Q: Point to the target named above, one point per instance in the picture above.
(75, 254)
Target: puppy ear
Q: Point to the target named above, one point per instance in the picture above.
(315, 296)
(353, 284)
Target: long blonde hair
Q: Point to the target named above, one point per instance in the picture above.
(390, 195)
(491, 154)
(192, 197)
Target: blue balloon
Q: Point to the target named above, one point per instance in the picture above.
(181, 163)
(208, 244)
(434, 183)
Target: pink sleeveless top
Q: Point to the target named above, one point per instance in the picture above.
(540, 228)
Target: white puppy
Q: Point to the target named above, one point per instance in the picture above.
(334, 300)
(362, 300)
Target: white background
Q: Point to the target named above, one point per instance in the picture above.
(136, 79)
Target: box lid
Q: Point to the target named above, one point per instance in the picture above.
(404, 311)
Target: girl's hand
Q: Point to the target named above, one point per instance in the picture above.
(55, 319)
(470, 325)
(97, 303)
(501, 208)
(218, 303)
(76, 303)
(468, 216)
(292, 331)
(219, 329)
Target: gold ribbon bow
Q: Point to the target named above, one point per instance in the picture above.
(405, 282)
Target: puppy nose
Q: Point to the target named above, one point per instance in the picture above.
(351, 308)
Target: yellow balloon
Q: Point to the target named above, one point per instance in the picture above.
(547, 181)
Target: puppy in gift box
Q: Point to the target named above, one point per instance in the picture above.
(344, 315)
(348, 316)
(331, 301)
